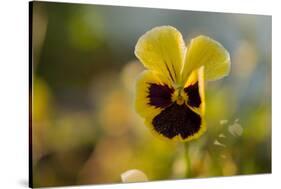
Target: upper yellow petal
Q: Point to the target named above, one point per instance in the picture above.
(162, 50)
(204, 51)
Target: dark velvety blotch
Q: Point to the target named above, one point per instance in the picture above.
(177, 120)
(159, 95)
(192, 91)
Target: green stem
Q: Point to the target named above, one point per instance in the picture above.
(188, 172)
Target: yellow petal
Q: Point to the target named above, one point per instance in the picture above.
(142, 101)
(204, 51)
(198, 76)
(162, 50)
(145, 110)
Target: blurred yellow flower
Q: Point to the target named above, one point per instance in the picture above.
(170, 93)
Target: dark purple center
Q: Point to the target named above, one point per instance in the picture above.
(192, 92)
(177, 120)
(159, 95)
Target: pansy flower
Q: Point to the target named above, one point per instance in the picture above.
(170, 93)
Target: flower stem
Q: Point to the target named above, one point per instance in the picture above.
(188, 172)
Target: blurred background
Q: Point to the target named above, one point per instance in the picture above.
(85, 129)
